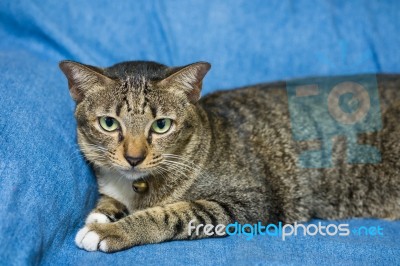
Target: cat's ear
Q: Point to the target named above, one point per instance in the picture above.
(83, 78)
(189, 78)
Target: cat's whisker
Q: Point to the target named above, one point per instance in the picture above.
(95, 153)
(180, 163)
(166, 167)
(179, 158)
(162, 172)
(192, 166)
(181, 169)
(177, 170)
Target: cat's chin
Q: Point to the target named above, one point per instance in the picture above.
(133, 175)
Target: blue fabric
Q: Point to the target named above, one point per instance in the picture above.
(46, 187)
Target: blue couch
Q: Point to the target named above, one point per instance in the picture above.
(46, 187)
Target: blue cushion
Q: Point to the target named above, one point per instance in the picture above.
(46, 186)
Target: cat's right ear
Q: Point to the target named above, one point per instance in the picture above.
(189, 78)
(83, 78)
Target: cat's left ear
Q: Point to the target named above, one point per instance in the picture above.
(82, 79)
(189, 78)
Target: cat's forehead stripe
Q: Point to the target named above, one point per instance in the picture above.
(153, 111)
(146, 100)
(118, 109)
(135, 91)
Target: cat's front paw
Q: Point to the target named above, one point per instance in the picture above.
(103, 237)
(96, 217)
(87, 239)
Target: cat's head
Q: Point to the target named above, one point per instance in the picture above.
(133, 115)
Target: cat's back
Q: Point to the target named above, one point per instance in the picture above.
(242, 97)
(241, 107)
(292, 117)
(263, 101)
(331, 136)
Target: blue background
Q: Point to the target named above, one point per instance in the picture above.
(46, 187)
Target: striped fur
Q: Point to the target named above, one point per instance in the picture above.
(228, 157)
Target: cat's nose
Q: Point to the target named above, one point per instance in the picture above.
(134, 161)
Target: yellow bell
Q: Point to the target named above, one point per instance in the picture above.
(140, 186)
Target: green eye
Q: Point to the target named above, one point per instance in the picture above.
(161, 126)
(108, 123)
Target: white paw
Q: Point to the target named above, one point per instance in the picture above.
(80, 235)
(96, 217)
(103, 246)
(88, 240)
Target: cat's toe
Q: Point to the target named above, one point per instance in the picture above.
(106, 237)
(103, 246)
(80, 235)
(97, 217)
(91, 241)
(88, 240)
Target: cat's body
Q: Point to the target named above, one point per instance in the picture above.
(228, 157)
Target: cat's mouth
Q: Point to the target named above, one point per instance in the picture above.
(134, 174)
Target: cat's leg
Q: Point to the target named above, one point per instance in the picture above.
(158, 224)
(107, 210)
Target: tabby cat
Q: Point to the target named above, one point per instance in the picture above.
(164, 157)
